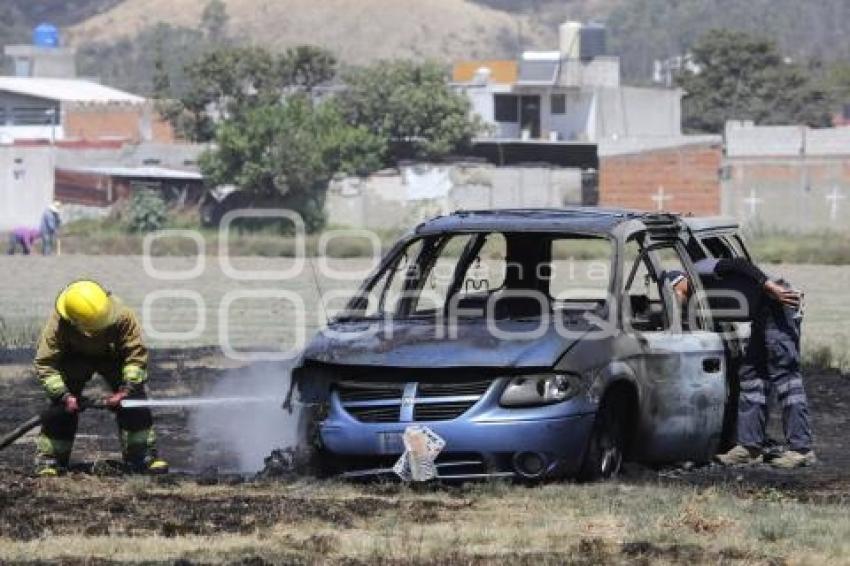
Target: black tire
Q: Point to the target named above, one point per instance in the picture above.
(606, 446)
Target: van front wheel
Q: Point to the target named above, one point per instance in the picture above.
(606, 446)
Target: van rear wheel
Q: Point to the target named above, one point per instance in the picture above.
(606, 446)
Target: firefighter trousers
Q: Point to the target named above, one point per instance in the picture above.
(58, 429)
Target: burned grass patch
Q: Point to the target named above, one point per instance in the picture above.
(92, 506)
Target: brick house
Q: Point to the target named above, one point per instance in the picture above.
(51, 109)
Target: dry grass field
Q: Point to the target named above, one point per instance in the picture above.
(91, 519)
(674, 515)
(27, 294)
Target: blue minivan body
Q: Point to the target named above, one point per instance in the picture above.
(550, 345)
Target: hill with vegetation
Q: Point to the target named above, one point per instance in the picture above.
(358, 32)
(18, 17)
(118, 37)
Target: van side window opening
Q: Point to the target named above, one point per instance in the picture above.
(580, 269)
(435, 282)
(734, 243)
(643, 307)
(650, 305)
(718, 247)
(435, 273)
(668, 259)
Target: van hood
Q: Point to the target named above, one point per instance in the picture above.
(424, 344)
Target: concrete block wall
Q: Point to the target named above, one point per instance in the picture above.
(402, 198)
(799, 194)
(26, 185)
(679, 179)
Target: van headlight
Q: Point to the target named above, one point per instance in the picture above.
(542, 389)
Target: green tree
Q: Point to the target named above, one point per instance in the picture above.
(161, 79)
(228, 81)
(642, 31)
(221, 83)
(214, 21)
(740, 76)
(411, 105)
(288, 152)
(835, 79)
(307, 66)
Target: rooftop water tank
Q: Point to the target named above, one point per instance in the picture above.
(593, 41)
(45, 35)
(568, 35)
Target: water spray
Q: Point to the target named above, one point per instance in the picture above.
(196, 402)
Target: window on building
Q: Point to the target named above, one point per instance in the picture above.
(2, 116)
(32, 116)
(559, 103)
(506, 108)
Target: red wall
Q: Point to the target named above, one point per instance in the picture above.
(689, 175)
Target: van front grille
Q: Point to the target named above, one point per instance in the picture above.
(381, 402)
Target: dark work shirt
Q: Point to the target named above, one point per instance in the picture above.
(723, 279)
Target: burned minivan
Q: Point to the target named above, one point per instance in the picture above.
(535, 343)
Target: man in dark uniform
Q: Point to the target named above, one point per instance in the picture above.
(771, 360)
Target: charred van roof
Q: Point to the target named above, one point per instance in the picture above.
(579, 219)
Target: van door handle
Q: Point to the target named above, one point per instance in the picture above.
(711, 365)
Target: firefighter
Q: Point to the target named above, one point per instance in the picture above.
(92, 332)
(771, 360)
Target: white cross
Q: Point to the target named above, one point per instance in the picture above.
(834, 197)
(660, 197)
(753, 201)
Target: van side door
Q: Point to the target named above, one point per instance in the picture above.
(681, 367)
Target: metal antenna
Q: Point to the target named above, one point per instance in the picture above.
(319, 290)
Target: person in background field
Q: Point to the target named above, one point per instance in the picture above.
(771, 360)
(24, 238)
(91, 332)
(50, 223)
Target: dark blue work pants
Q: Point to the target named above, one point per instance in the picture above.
(772, 362)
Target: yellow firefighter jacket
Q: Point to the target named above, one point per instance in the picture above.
(119, 344)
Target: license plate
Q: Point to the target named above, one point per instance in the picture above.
(391, 442)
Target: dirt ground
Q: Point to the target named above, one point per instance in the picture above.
(89, 514)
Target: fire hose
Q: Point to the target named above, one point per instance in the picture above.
(85, 404)
(35, 421)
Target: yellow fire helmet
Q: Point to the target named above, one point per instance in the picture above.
(86, 305)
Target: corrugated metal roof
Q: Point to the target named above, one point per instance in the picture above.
(68, 90)
(139, 172)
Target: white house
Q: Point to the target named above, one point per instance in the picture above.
(573, 94)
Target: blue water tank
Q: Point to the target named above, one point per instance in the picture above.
(592, 41)
(45, 35)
